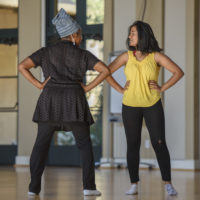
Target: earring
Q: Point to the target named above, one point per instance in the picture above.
(73, 41)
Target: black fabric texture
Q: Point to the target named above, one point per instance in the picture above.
(63, 100)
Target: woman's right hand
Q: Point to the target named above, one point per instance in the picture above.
(42, 85)
(125, 87)
(24, 67)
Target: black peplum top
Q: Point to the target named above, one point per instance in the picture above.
(63, 100)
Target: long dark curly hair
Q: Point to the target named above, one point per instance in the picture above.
(147, 42)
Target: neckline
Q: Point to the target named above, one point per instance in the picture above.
(69, 42)
(139, 61)
(66, 41)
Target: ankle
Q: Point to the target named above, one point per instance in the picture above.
(135, 183)
(168, 182)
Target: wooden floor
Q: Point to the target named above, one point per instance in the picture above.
(62, 183)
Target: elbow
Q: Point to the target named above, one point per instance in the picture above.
(179, 74)
(20, 67)
(182, 74)
(107, 71)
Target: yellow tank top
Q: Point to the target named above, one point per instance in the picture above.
(140, 73)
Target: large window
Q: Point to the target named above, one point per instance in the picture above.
(95, 12)
(68, 5)
(90, 15)
(91, 19)
(8, 78)
(95, 98)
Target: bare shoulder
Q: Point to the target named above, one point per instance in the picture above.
(160, 57)
(118, 62)
(123, 57)
(164, 61)
(124, 53)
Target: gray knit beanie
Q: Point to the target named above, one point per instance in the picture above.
(65, 25)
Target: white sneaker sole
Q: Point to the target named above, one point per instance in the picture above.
(135, 193)
(31, 194)
(91, 193)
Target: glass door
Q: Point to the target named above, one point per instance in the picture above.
(8, 80)
(63, 150)
(92, 19)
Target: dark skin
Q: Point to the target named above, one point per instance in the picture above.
(25, 66)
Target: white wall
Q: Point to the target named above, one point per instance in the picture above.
(199, 80)
(119, 18)
(29, 41)
(124, 16)
(174, 47)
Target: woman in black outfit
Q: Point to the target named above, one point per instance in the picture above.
(62, 104)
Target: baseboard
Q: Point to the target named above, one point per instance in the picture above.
(22, 160)
(177, 164)
(110, 162)
(145, 163)
(197, 164)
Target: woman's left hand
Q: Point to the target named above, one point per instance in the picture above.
(153, 85)
(84, 87)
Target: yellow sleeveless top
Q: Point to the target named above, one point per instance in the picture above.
(140, 73)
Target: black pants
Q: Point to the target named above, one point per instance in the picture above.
(155, 122)
(40, 152)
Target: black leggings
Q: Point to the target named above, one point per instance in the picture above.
(155, 122)
(40, 152)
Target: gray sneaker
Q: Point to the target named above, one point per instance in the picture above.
(170, 190)
(91, 193)
(133, 190)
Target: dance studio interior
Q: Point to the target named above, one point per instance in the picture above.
(25, 26)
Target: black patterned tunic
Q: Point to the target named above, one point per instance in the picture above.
(63, 100)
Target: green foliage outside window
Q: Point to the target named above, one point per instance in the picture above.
(95, 11)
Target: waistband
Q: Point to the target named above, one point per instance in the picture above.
(63, 84)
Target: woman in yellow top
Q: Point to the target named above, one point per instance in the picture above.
(141, 99)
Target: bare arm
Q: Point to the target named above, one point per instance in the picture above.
(168, 64)
(115, 65)
(24, 67)
(103, 73)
